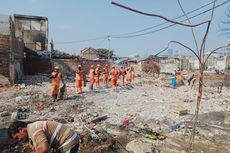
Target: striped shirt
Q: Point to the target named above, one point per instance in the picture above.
(56, 134)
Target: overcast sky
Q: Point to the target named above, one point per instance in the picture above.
(73, 21)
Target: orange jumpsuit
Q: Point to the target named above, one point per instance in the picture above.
(56, 80)
(56, 83)
(122, 76)
(91, 77)
(97, 77)
(105, 76)
(114, 74)
(79, 78)
(128, 76)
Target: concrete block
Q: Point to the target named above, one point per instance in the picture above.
(179, 111)
(227, 118)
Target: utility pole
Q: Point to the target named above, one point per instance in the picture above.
(108, 38)
(51, 48)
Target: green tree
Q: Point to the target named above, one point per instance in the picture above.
(105, 53)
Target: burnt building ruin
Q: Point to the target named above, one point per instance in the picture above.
(19, 33)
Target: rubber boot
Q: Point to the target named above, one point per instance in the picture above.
(54, 97)
(91, 86)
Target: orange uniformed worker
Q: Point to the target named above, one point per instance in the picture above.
(122, 75)
(106, 75)
(114, 74)
(79, 79)
(132, 74)
(128, 75)
(98, 73)
(56, 77)
(91, 76)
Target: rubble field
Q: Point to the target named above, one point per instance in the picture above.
(136, 118)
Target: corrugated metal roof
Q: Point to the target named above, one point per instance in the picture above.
(4, 24)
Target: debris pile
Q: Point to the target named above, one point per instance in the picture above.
(62, 55)
(151, 67)
(133, 118)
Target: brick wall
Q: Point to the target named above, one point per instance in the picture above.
(5, 56)
(17, 46)
(11, 56)
(69, 66)
(227, 78)
(34, 65)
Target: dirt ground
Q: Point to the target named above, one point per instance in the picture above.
(146, 104)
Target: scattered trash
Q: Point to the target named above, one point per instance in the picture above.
(20, 114)
(144, 115)
(53, 109)
(175, 127)
(18, 99)
(125, 122)
(151, 136)
(4, 113)
(99, 119)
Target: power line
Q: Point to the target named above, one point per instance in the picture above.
(173, 24)
(197, 9)
(80, 41)
(100, 42)
(145, 29)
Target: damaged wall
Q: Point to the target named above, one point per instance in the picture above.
(69, 66)
(34, 31)
(11, 51)
(34, 63)
(4, 59)
(17, 47)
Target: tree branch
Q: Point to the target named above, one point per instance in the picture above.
(176, 42)
(159, 16)
(193, 34)
(202, 47)
(215, 51)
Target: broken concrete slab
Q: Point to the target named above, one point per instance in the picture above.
(227, 118)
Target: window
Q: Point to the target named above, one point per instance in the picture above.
(25, 25)
(35, 25)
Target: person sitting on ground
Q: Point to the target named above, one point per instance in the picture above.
(43, 135)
